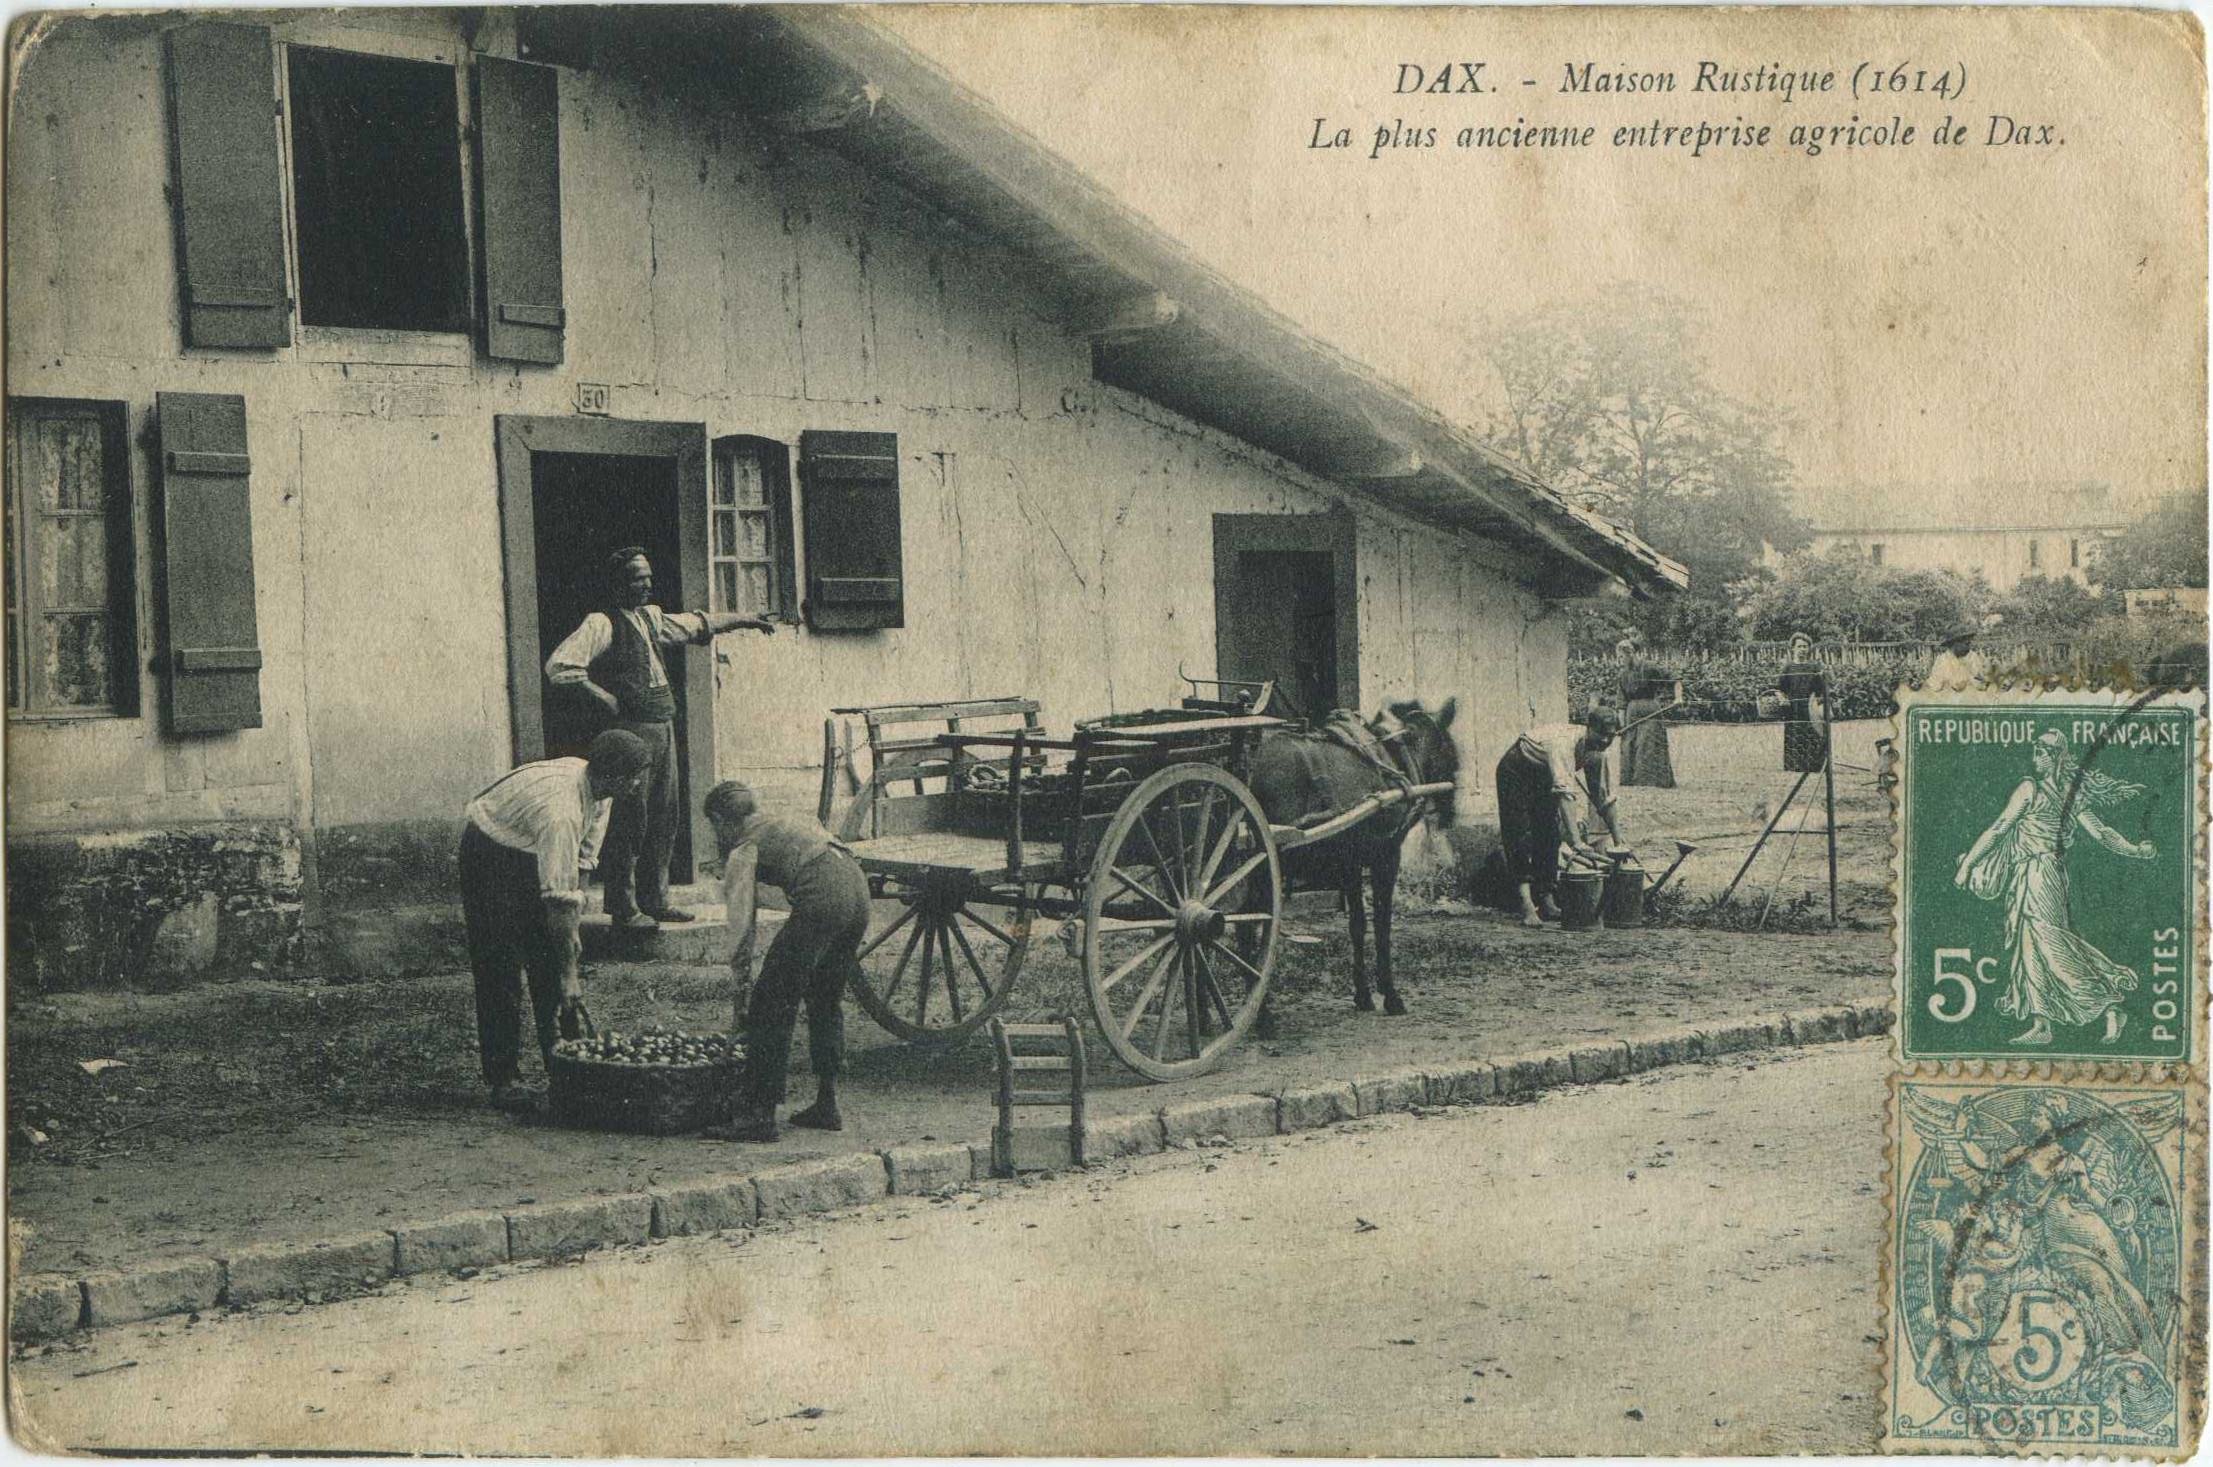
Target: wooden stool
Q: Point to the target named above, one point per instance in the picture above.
(1051, 1049)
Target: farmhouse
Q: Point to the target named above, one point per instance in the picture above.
(342, 346)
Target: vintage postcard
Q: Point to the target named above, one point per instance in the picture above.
(2046, 1288)
(2051, 887)
(1125, 730)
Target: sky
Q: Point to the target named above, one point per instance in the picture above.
(1929, 316)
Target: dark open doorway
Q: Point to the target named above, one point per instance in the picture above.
(571, 490)
(1284, 608)
(585, 505)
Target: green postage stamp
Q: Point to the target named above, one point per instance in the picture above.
(2042, 1294)
(2049, 876)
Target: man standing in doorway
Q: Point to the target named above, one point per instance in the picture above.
(614, 659)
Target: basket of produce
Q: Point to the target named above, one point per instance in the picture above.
(659, 1082)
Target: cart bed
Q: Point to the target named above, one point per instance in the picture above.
(939, 850)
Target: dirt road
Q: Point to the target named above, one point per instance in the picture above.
(1682, 1262)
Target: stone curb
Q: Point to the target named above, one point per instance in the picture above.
(48, 1306)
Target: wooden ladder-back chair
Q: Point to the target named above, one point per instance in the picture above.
(903, 749)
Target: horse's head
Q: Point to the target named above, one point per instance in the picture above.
(1431, 753)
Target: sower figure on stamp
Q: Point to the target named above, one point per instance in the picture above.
(615, 659)
(810, 960)
(2054, 974)
(1540, 779)
(525, 845)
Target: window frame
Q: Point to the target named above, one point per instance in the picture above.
(2036, 555)
(350, 344)
(774, 460)
(1875, 552)
(125, 625)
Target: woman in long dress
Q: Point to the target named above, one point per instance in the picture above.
(1645, 693)
(2055, 976)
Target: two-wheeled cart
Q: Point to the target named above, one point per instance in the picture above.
(975, 828)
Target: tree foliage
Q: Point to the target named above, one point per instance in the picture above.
(2166, 548)
(1610, 401)
(1842, 597)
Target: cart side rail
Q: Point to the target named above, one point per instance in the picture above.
(905, 753)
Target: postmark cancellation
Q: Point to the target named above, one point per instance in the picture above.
(2044, 1277)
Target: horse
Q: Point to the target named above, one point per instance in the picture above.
(1300, 776)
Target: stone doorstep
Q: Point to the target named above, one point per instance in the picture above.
(46, 1306)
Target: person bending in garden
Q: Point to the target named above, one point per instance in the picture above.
(1539, 781)
(808, 962)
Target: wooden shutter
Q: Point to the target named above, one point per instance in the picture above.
(230, 187)
(850, 482)
(213, 658)
(518, 141)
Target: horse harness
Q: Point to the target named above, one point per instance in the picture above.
(1382, 745)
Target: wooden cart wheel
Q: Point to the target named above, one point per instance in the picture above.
(1180, 921)
(940, 966)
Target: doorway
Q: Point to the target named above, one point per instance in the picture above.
(1284, 608)
(571, 491)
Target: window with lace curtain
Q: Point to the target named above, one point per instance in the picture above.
(749, 546)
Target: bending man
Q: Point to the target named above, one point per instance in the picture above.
(1539, 781)
(809, 960)
(525, 846)
(614, 658)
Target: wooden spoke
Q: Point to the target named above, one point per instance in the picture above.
(1145, 997)
(1146, 953)
(1236, 879)
(988, 927)
(1131, 883)
(961, 937)
(1214, 859)
(952, 978)
(1197, 842)
(893, 926)
(1193, 1016)
(1167, 1008)
(1254, 973)
(899, 973)
(1160, 862)
(1119, 926)
(922, 979)
(1209, 987)
(1239, 919)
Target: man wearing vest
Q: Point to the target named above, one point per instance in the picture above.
(809, 961)
(525, 844)
(614, 659)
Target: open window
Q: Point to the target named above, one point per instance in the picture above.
(376, 192)
(850, 487)
(72, 617)
(377, 203)
(749, 545)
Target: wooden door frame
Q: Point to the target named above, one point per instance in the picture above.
(519, 437)
(1333, 533)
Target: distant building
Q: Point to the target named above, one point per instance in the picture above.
(2189, 598)
(1999, 531)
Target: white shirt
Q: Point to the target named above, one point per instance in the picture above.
(1555, 746)
(571, 662)
(548, 809)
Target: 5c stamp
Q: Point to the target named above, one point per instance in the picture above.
(2048, 881)
(2041, 1236)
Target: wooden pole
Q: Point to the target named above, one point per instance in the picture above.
(1828, 776)
(1757, 845)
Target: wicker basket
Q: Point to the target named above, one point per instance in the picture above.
(657, 1100)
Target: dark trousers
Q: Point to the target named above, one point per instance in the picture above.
(809, 960)
(1529, 823)
(641, 832)
(506, 920)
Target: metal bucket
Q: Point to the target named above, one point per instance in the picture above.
(1624, 902)
(1582, 896)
